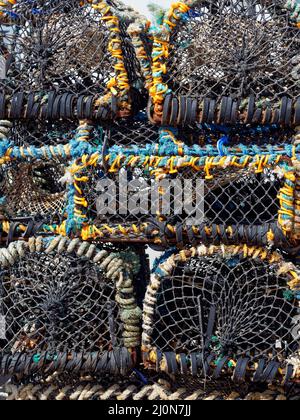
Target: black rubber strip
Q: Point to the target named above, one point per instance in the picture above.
(105, 114)
(240, 370)
(182, 108)
(289, 374)
(100, 113)
(194, 364)
(190, 233)
(283, 107)
(16, 105)
(234, 113)
(63, 104)
(149, 110)
(227, 118)
(194, 112)
(222, 111)
(267, 115)
(188, 112)
(271, 371)
(12, 230)
(207, 364)
(11, 367)
(258, 376)
(257, 116)
(179, 236)
(80, 107)
(183, 364)
(56, 107)
(158, 360)
(218, 371)
(35, 111)
(174, 112)
(51, 99)
(210, 325)
(172, 368)
(89, 106)
(166, 110)
(205, 110)
(212, 111)
(114, 105)
(297, 113)
(288, 114)
(43, 111)
(94, 360)
(276, 116)
(2, 106)
(30, 104)
(250, 110)
(69, 106)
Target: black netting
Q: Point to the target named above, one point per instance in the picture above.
(58, 312)
(205, 135)
(233, 197)
(135, 132)
(226, 307)
(237, 49)
(59, 58)
(60, 46)
(33, 189)
(39, 134)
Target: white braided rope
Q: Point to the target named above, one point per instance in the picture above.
(158, 391)
(5, 128)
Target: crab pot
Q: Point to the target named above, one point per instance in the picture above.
(228, 311)
(65, 60)
(231, 193)
(66, 307)
(229, 62)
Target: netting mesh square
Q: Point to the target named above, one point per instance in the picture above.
(33, 189)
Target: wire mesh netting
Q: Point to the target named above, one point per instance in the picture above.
(235, 49)
(217, 310)
(61, 311)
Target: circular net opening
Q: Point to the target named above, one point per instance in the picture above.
(231, 307)
(57, 303)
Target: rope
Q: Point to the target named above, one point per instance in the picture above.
(160, 391)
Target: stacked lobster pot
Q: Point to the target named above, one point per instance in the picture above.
(68, 307)
(226, 79)
(182, 135)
